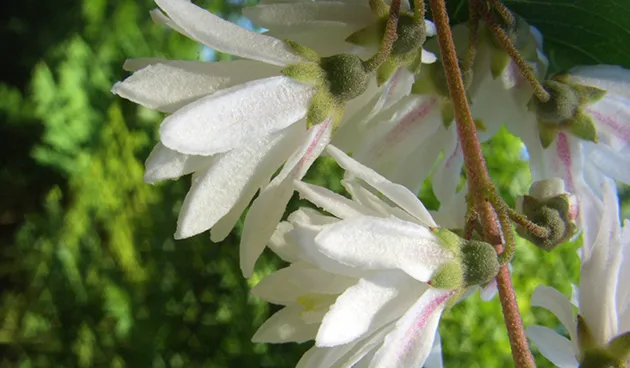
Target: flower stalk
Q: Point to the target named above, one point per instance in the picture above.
(479, 182)
(388, 39)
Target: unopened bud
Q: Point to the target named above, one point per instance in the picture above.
(480, 262)
(346, 76)
(552, 209)
(411, 34)
(562, 105)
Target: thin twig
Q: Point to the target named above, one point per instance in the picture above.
(533, 228)
(503, 11)
(473, 35)
(388, 39)
(478, 181)
(498, 32)
(418, 9)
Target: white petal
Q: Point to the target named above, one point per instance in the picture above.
(282, 245)
(398, 87)
(447, 174)
(410, 343)
(558, 304)
(287, 285)
(364, 307)
(226, 37)
(232, 175)
(552, 346)
(614, 164)
(327, 38)
(324, 357)
(428, 57)
(434, 360)
(168, 86)
(599, 272)
(612, 117)
(224, 226)
(287, 14)
(164, 163)
(375, 243)
(285, 325)
(236, 116)
(266, 211)
(329, 201)
(430, 28)
(395, 192)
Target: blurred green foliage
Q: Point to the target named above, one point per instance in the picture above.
(91, 273)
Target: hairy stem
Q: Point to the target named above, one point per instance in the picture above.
(503, 11)
(473, 35)
(388, 39)
(478, 182)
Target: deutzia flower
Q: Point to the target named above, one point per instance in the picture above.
(234, 123)
(396, 269)
(584, 128)
(600, 337)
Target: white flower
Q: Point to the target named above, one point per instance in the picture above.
(382, 253)
(604, 293)
(232, 124)
(594, 143)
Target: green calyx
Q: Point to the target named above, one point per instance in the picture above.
(553, 214)
(337, 78)
(475, 262)
(565, 110)
(406, 49)
(614, 355)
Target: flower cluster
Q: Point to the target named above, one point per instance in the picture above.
(369, 279)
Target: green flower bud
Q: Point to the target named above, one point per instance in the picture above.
(562, 106)
(549, 207)
(411, 34)
(613, 355)
(480, 262)
(449, 276)
(346, 76)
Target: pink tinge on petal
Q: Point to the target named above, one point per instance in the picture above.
(422, 319)
(456, 153)
(574, 208)
(621, 129)
(564, 155)
(307, 158)
(391, 86)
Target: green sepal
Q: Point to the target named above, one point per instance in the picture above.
(449, 239)
(379, 8)
(422, 85)
(386, 70)
(368, 36)
(308, 73)
(322, 106)
(303, 51)
(547, 134)
(449, 276)
(588, 94)
(413, 60)
(619, 347)
(499, 60)
(480, 125)
(583, 127)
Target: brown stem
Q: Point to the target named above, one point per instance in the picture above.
(418, 10)
(473, 35)
(478, 181)
(526, 71)
(388, 39)
(503, 11)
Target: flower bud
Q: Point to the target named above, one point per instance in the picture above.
(614, 355)
(411, 34)
(480, 262)
(346, 76)
(549, 207)
(562, 106)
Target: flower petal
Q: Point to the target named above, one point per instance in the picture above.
(552, 346)
(395, 192)
(331, 202)
(410, 343)
(168, 86)
(286, 325)
(611, 78)
(364, 307)
(266, 211)
(280, 15)
(286, 285)
(164, 163)
(215, 191)
(226, 37)
(558, 304)
(236, 116)
(448, 171)
(373, 243)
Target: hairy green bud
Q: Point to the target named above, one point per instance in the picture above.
(449, 276)
(411, 34)
(549, 207)
(346, 76)
(562, 106)
(480, 262)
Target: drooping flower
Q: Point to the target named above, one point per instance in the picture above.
(600, 335)
(233, 124)
(584, 129)
(397, 271)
